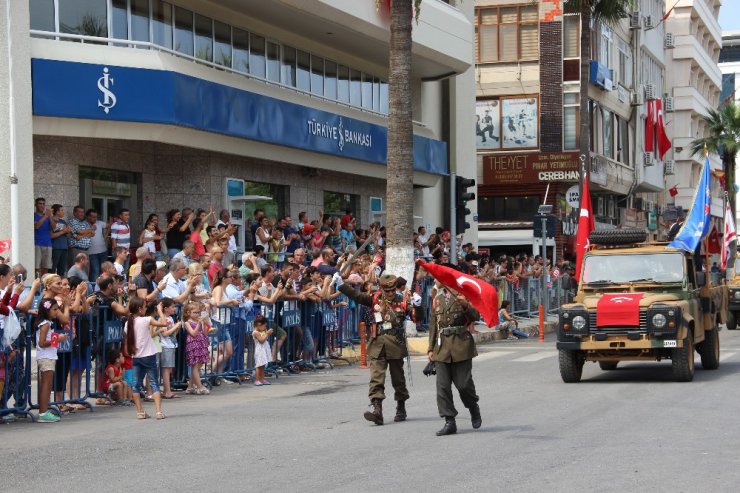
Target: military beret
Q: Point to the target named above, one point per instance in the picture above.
(387, 281)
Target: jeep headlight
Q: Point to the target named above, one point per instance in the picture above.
(579, 322)
(736, 294)
(659, 320)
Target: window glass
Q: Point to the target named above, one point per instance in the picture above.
(162, 23)
(530, 42)
(222, 44)
(119, 19)
(507, 42)
(336, 204)
(183, 31)
(330, 79)
(241, 51)
(367, 91)
(273, 61)
(376, 94)
(355, 87)
(607, 125)
(488, 43)
(303, 71)
(257, 64)
(86, 17)
(529, 14)
(570, 127)
(343, 84)
(384, 97)
(203, 38)
(140, 20)
(287, 66)
(317, 75)
(571, 40)
(42, 15)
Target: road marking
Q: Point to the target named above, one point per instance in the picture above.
(492, 354)
(536, 356)
(726, 356)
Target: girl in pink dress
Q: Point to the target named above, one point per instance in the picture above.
(196, 347)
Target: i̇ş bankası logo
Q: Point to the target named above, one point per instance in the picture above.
(104, 85)
(338, 133)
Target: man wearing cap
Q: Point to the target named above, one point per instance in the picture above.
(452, 348)
(387, 346)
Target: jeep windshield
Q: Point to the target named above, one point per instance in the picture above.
(625, 268)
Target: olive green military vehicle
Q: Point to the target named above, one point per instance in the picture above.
(640, 302)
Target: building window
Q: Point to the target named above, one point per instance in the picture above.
(317, 75)
(607, 127)
(624, 76)
(507, 34)
(140, 20)
(183, 31)
(507, 208)
(203, 38)
(273, 61)
(241, 50)
(42, 15)
(222, 44)
(337, 204)
(162, 23)
(303, 73)
(85, 17)
(273, 208)
(257, 63)
(287, 65)
(571, 119)
(571, 48)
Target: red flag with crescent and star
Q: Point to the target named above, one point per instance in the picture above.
(5, 245)
(479, 293)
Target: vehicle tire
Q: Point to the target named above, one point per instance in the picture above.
(709, 350)
(682, 360)
(571, 365)
(608, 365)
(626, 236)
(731, 321)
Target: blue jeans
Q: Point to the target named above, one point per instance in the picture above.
(96, 259)
(146, 366)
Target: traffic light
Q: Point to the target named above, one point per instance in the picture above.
(462, 197)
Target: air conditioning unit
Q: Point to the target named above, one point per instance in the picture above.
(648, 159)
(670, 166)
(668, 104)
(636, 99)
(649, 22)
(651, 91)
(635, 18)
(638, 203)
(670, 41)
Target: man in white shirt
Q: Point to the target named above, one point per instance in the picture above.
(226, 221)
(175, 289)
(188, 248)
(424, 241)
(98, 250)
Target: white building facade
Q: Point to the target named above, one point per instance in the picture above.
(152, 105)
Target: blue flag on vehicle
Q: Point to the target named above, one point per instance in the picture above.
(696, 225)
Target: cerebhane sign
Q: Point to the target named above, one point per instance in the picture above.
(506, 169)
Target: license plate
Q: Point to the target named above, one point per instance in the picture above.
(669, 343)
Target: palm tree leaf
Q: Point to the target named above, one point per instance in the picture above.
(607, 11)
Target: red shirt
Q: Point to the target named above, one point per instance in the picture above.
(213, 269)
(200, 248)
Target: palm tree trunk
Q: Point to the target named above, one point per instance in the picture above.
(585, 123)
(399, 185)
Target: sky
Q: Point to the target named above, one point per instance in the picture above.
(729, 15)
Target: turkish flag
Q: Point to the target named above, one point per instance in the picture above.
(713, 241)
(664, 142)
(650, 122)
(479, 293)
(585, 226)
(618, 309)
(4, 245)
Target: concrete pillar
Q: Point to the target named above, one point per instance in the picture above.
(462, 128)
(16, 132)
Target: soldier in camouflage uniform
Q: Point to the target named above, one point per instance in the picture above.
(452, 348)
(387, 345)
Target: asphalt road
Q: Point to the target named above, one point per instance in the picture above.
(632, 429)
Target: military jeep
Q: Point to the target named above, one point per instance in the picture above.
(733, 307)
(638, 301)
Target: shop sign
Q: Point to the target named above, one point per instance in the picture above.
(543, 167)
(103, 187)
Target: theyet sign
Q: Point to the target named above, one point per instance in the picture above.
(541, 167)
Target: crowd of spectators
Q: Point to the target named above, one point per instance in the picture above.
(191, 260)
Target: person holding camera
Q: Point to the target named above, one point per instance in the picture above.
(452, 349)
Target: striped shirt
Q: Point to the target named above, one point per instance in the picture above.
(121, 232)
(82, 243)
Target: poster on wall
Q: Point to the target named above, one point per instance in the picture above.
(488, 124)
(519, 123)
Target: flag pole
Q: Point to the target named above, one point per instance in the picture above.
(706, 239)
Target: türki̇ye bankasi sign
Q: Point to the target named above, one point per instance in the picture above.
(506, 169)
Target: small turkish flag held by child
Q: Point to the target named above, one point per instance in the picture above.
(54, 340)
(4, 245)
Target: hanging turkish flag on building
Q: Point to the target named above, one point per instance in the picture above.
(664, 142)
(5, 245)
(650, 126)
(673, 190)
(585, 226)
(713, 241)
(479, 293)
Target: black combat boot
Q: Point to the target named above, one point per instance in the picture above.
(376, 415)
(475, 417)
(400, 411)
(450, 427)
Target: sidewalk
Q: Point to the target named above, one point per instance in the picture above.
(418, 345)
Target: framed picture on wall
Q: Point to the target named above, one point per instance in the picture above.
(488, 124)
(519, 122)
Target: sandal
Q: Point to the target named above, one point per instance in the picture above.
(148, 398)
(203, 391)
(161, 415)
(142, 416)
(102, 402)
(191, 391)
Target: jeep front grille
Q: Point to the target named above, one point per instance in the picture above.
(619, 329)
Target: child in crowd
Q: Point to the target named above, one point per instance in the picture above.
(168, 339)
(149, 236)
(140, 331)
(508, 324)
(196, 349)
(262, 353)
(113, 384)
(46, 355)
